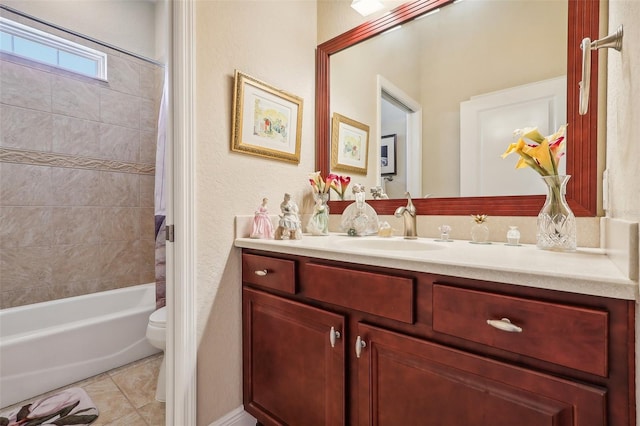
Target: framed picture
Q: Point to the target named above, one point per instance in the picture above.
(349, 145)
(266, 121)
(388, 155)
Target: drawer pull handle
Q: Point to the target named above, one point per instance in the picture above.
(261, 273)
(360, 344)
(333, 335)
(505, 325)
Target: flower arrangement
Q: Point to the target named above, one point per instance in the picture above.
(556, 226)
(543, 154)
(319, 185)
(340, 185)
(322, 186)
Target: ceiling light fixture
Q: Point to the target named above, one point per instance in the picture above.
(366, 7)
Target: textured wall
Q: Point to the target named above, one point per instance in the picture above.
(273, 41)
(76, 177)
(623, 105)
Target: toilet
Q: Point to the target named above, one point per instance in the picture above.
(157, 337)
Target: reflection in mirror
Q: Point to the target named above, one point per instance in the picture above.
(447, 59)
(494, 58)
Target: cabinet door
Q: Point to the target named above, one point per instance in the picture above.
(407, 381)
(292, 373)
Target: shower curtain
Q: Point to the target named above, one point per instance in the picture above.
(160, 194)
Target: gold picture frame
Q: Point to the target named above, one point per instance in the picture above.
(267, 121)
(349, 145)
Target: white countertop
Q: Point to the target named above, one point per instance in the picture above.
(585, 271)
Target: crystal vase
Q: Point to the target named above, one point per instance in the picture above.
(480, 233)
(556, 227)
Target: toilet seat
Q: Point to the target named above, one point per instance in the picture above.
(159, 318)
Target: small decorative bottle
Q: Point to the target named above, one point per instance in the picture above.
(479, 229)
(513, 236)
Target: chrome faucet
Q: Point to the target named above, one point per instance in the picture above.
(409, 215)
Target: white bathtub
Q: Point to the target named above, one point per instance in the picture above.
(47, 345)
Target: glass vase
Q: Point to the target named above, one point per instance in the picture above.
(556, 226)
(513, 236)
(480, 233)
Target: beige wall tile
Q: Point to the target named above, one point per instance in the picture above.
(123, 75)
(24, 267)
(147, 223)
(149, 87)
(147, 275)
(119, 224)
(77, 262)
(76, 230)
(119, 108)
(119, 189)
(25, 296)
(76, 225)
(119, 143)
(75, 98)
(76, 136)
(121, 261)
(76, 187)
(25, 128)
(147, 190)
(25, 87)
(75, 288)
(147, 254)
(148, 141)
(149, 115)
(25, 226)
(25, 185)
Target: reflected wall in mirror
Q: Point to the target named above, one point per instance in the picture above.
(423, 69)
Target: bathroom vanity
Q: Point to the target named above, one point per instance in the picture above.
(336, 333)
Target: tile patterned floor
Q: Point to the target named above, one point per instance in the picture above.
(126, 396)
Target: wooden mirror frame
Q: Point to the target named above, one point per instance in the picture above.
(581, 158)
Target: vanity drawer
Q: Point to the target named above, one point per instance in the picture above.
(567, 335)
(384, 295)
(269, 272)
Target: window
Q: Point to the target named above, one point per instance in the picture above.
(45, 48)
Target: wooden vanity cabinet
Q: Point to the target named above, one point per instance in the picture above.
(329, 343)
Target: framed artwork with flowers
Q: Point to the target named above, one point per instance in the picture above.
(349, 145)
(266, 121)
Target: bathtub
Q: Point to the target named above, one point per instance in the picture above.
(47, 345)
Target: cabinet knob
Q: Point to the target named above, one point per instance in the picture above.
(333, 335)
(360, 344)
(505, 324)
(261, 273)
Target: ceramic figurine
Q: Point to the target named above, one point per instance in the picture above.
(262, 226)
(319, 221)
(359, 218)
(289, 226)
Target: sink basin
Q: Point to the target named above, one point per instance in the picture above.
(388, 244)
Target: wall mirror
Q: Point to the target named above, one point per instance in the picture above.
(581, 18)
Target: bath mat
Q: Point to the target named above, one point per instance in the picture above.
(68, 407)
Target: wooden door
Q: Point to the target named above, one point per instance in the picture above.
(410, 382)
(292, 373)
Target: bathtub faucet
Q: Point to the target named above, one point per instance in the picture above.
(409, 215)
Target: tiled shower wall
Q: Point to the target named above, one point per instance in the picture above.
(77, 160)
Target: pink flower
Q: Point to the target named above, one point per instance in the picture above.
(340, 185)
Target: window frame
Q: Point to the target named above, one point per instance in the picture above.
(60, 44)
